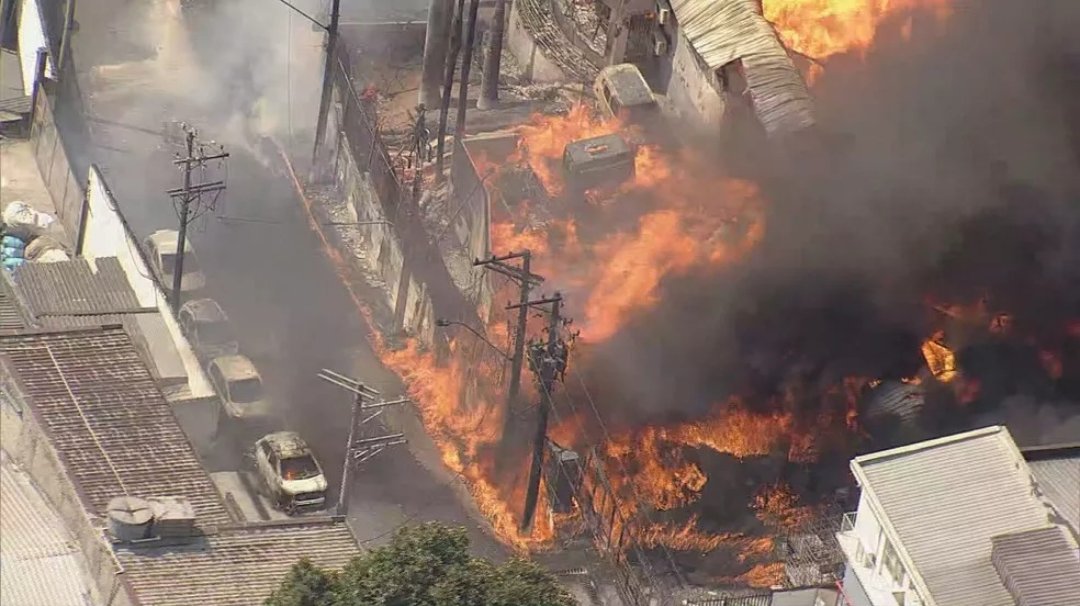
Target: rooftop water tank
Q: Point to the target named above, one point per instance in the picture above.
(130, 518)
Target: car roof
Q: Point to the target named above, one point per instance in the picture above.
(236, 367)
(628, 84)
(205, 310)
(165, 240)
(286, 444)
(594, 148)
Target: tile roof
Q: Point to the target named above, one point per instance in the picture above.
(235, 566)
(106, 417)
(1059, 481)
(1039, 567)
(942, 500)
(41, 563)
(75, 288)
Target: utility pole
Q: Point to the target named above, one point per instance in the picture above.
(526, 280)
(547, 360)
(360, 449)
(489, 78)
(190, 199)
(328, 80)
(466, 67)
(448, 85)
(435, 43)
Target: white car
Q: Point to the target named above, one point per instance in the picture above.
(290, 472)
(161, 246)
(240, 386)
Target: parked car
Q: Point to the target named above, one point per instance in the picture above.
(290, 472)
(240, 386)
(621, 91)
(161, 246)
(598, 161)
(208, 329)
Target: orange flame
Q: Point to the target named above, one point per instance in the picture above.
(822, 28)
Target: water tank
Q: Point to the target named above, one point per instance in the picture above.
(173, 517)
(130, 518)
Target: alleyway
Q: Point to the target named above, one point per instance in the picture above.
(264, 266)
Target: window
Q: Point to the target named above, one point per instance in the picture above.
(168, 262)
(299, 468)
(245, 391)
(890, 561)
(215, 333)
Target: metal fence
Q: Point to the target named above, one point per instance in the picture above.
(358, 124)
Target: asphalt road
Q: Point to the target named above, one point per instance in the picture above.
(290, 309)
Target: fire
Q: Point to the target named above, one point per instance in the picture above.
(820, 29)
(544, 138)
(939, 359)
(777, 507)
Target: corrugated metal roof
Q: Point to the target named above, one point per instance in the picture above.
(106, 417)
(722, 31)
(1039, 567)
(12, 315)
(1059, 480)
(76, 287)
(942, 500)
(237, 567)
(41, 563)
(806, 597)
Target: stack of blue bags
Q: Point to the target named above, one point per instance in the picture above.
(12, 252)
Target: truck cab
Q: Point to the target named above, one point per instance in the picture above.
(622, 92)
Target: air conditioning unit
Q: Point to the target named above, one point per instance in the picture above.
(662, 15)
(660, 44)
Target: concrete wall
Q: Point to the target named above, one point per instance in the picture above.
(534, 65)
(692, 90)
(31, 38)
(25, 439)
(107, 235)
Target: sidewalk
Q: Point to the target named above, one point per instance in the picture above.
(41, 565)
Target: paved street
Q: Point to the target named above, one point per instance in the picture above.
(265, 268)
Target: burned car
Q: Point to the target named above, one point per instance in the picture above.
(207, 329)
(598, 161)
(290, 473)
(161, 246)
(621, 92)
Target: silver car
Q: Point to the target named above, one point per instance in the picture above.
(240, 386)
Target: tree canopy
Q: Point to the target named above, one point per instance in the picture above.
(425, 565)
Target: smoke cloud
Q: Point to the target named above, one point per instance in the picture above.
(951, 171)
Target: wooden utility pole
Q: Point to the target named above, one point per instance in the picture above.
(190, 199)
(448, 86)
(328, 79)
(489, 78)
(547, 361)
(525, 280)
(466, 67)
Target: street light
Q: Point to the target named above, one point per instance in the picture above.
(443, 322)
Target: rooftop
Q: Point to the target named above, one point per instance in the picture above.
(206, 310)
(41, 563)
(233, 566)
(76, 293)
(111, 426)
(942, 501)
(1056, 578)
(287, 444)
(236, 367)
(1057, 469)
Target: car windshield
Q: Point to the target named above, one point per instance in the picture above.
(245, 391)
(299, 468)
(168, 263)
(215, 333)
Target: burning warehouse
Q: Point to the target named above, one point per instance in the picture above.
(740, 333)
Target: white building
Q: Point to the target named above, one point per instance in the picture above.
(963, 520)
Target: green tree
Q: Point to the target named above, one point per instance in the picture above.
(426, 565)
